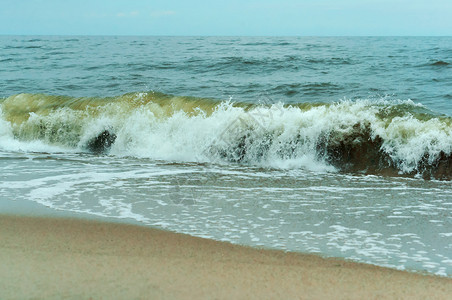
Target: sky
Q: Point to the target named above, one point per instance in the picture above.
(228, 17)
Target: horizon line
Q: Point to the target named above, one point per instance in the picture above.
(219, 35)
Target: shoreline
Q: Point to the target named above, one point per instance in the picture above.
(47, 257)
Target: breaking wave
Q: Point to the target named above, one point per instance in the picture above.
(373, 137)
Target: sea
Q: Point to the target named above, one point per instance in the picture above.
(337, 146)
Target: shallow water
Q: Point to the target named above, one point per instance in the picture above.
(396, 222)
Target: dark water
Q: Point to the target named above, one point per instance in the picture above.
(337, 146)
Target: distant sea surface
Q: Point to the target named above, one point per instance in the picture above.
(340, 146)
(290, 70)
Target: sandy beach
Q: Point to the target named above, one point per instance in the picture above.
(51, 258)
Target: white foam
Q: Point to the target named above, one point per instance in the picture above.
(277, 136)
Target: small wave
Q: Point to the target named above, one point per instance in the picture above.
(241, 60)
(257, 44)
(314, 88)
(283, 44)
(329, 61)
(34, 40)
(374, 137)
(71, 40)
(239, 63)
(440, 63)
(8, 47)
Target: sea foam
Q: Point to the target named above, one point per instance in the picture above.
(366, 136)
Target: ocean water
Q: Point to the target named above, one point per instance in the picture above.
(337, 146)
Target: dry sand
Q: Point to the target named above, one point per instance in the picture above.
(48, 258)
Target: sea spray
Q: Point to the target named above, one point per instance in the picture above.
(375, 137)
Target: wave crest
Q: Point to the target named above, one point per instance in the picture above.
(376, 137)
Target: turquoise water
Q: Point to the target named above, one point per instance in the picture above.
(291, 70)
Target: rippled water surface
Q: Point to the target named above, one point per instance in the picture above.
(182, 166)
(401, 223)
(291, 69)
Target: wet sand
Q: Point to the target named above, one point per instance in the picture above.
(51, 258)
